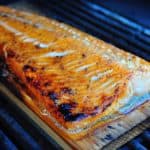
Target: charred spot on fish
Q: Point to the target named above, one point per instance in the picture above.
(67, 90)
(65, 108)
(95, 111)
(36, 84)
(29, 68)
(11, 53)
(29, 79)
(46, 84)
(83, 55)
(43, 68)
(53, 96)
(26, 67)
(75, 117)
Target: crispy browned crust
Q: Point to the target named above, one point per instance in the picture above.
(72, 80)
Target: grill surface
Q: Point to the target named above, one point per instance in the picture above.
(18, 132)
(139, 143)
(92, 17)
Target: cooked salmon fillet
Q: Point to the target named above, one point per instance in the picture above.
(77, 81)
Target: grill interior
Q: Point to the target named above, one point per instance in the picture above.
(18, 132)
(91, 16)
(141, 142)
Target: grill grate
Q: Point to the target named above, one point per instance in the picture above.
(18, 132)
(139, 143)
(5, 142)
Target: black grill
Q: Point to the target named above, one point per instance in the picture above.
(139, 143)
(91, 16)
(18, 132)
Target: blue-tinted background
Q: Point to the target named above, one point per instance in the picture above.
(138, 10)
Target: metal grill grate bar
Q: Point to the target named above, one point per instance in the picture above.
(20, 136)
(141, 142)
(5, 142)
